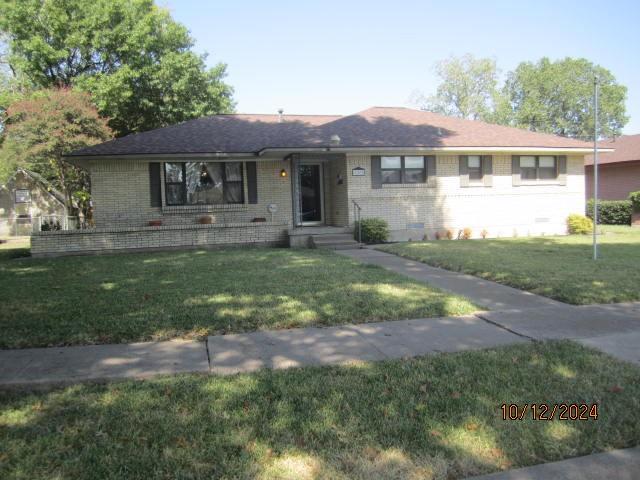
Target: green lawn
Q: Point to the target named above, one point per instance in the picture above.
(556, 267)
(432, 417)
(135, 297)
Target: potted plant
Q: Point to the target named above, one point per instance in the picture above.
(635, 205)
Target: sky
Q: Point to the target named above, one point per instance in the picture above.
(341, 57)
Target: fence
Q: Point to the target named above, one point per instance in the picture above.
(26, 225)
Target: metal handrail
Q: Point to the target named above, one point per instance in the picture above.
(359, 219)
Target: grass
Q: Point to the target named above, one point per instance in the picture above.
(137, 297)
(433, 417)
(558, 267)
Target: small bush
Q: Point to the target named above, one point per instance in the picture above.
(634, 198)
(612, 212)
(438, 236)
(449, 234)
(484, 233)
(467, 233)
(374, 230)
(579, 224)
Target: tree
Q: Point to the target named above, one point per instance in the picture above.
(133, 58)
(557, 97)
(41, 128)
(467, 88)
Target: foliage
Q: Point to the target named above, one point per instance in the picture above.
(484, 233)
(163, 295)
(133, 58)
(465, 234)
(44, 126)
(448, 234)
(467, 88)
(634, 197)
(558, 267)
(50, 225)
(374, 230)
(547, 96)
(579, 224)
(611, 212)
(557, 97)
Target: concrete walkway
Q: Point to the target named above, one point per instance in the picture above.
(614, 465)
(64, 365)
(230, 354)
(484, 293)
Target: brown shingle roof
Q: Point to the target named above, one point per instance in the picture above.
(627, 149)
(374, 127)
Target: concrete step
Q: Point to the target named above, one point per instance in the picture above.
(335, 242)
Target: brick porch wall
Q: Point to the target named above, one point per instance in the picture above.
(77, 242)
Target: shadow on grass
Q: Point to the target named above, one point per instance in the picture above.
(436, 417)
(557, 267)
(148, 297)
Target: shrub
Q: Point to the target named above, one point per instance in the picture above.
(634, 198)
(449, 234)
(612, 212)
(579, 224)
(484, 233)
(438, 236)
(374, 230)
(466, 233)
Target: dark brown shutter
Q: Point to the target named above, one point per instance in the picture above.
(515, 170)
(487, 170)
(155, 191)
(252, 181)
(431, 170)
(376, 174)
(562, 169)
(463, 170)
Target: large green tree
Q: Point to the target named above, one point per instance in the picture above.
(467, 89)
(133, 58)
(557, 97)
(42, 127)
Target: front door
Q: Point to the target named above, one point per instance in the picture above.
(311, 195)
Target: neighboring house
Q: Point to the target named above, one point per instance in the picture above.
(618, 171)
(26, 200)
(281, 179)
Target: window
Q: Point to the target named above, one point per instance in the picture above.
(23, 196)
(414, 169)
(410, 169)
(474, 168)
(391, 169)
(535, 168)
(203, 183)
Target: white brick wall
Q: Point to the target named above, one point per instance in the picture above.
(502, 209)
(120, 195)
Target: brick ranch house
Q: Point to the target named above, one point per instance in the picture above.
(289, 179)
(618, 171)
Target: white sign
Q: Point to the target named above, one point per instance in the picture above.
(272, 208)
(358, 172)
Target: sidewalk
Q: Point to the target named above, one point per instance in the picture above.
(614, 465)
(482, 292)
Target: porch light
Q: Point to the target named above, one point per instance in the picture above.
(283, 173)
